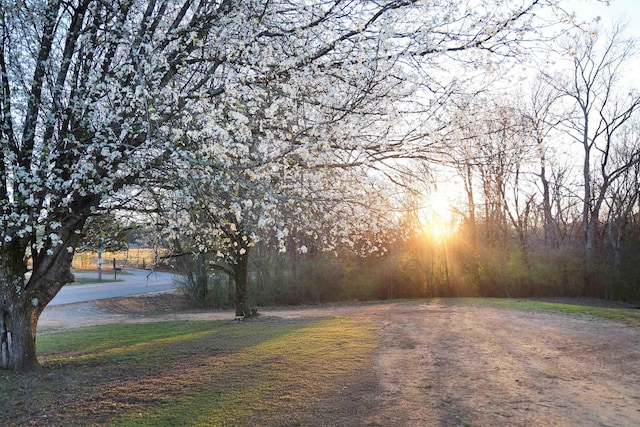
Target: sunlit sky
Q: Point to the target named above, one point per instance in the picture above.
(448, 195)
(627, 10)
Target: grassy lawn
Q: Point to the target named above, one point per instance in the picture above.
(630, 316)
(265, 372)
(92, 280)
(107, 276)
(188, 373)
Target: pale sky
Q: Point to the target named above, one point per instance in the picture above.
(629, 10)
(449, 192)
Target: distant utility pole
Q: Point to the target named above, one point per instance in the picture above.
(99, 264)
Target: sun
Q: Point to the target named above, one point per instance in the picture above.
(436, 216)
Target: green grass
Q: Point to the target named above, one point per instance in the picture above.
(107, 277)
(631, 316)
(92, 280)
(270, 379)
(189, 373)
(98, 342)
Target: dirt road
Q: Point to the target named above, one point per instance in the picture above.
(446, 364)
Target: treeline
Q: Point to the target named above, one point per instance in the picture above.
(425, 267)
(547, 200)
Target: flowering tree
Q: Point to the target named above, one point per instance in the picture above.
(87, 87)
(320, 90)
(97, 94)
(291, 208)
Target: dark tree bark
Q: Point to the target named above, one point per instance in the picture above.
(241, 274)
(202, 279)
(23, 301)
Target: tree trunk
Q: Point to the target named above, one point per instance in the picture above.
(589, 270)
(202, 280)
(471, 207)
(241, 272)
(22, 303)
(550, 235)
(19, 313)
(587, 218)
(591, 245)
(18, 320)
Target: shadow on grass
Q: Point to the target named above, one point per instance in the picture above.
(188, 373)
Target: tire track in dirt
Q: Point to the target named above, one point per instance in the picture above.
(452, 365)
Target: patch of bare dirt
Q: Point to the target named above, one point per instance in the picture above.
(442, 364)
(157, 303)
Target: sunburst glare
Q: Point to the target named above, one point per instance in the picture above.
(436, 216)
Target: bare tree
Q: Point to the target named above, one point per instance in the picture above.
(621, 205)
(602, 106)
(542, 120)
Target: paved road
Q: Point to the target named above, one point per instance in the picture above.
(136, 282)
